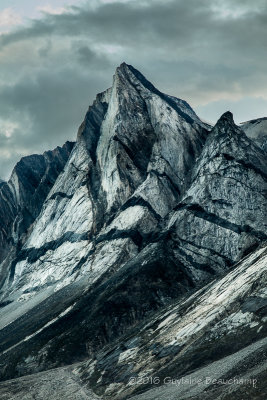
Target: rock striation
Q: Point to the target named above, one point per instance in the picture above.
(22, 197)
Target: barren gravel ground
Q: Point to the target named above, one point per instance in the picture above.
(55, 384)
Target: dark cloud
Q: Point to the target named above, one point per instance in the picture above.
(210, 52)
(47, 108)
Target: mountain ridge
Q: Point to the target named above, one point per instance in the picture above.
(149, 206)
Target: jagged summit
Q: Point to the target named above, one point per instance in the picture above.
(226, 117)
(123, 68)
(130, 72)
(136, 78)
(226, 123)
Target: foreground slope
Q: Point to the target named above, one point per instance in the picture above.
(188, 349)
(212, 324)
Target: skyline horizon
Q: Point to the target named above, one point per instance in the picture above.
(56, 55)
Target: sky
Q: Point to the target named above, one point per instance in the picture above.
(56, 55)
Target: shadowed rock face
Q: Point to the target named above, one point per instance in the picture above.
(22, 197)
(215, 220)
(150, 207)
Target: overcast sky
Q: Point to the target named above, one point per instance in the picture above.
(55, 55)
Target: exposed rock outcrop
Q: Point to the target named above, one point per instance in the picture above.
(151, 206)
(22, 197)
(256, 130)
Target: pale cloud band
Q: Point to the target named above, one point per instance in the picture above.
(48, 9)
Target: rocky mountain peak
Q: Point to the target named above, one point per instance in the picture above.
(133, 76)
(122, 68)
(226, 117)
(136, 79)
(225, 123)
(140, 215)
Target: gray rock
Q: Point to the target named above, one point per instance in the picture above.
(223, 214)
(22, 197)
(113, 251)
(256, 130)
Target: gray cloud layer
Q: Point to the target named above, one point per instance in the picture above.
(211, 53)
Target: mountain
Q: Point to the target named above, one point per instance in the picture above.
(256, 129)
(22, 197)
(138, 252)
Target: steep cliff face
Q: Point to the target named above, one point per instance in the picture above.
(222, 216)
(22, 197)
(152, 204)
(122, 178)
